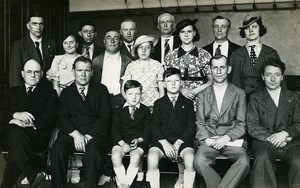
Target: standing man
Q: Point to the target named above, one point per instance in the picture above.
(273, 120)
(166, 42)
(33, 46)
(84, 116)
(221, 127)
(88, 48)
(128, 31)
(28, 114)
(221, 45)
(110, 66)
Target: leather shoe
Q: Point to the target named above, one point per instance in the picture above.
(38, 181)
(104, 179)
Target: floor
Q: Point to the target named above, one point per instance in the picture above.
(167, 181)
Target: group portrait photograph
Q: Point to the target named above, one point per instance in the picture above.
(150, 94)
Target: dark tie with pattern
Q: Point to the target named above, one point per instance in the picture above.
(253, 57)
(87, 52)
(129, 47)
(37, 47)
(218, 50)
(29, 91)
(82, 93)
(132, 112)
(167, 46)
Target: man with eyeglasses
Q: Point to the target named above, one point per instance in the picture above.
(221, 45)
(28, 114)
(88, 48)
(32, 46)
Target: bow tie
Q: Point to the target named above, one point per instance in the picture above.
(193, 52)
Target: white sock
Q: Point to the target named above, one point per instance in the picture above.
(120, 173)
(188, 179)
(140, 176)
(153, 178)
(131, 173)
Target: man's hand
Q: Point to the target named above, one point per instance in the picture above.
(87, 138)
(220, 142)
(277, 139)
(168, 148)
(79, 140)
(188, 93)
(177, 144)
(26, 117)
(209, 141)
(125, 147)
(21, 123)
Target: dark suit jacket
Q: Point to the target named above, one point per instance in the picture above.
(91, 116)
(42, 104)
(97, 50)
(265, 119)
(232, 47)
(98, 66)
(23, 50)
(240, 57)
(156, 54)
(124, 50)
(230, 120)
(173, 123)
(124, 128)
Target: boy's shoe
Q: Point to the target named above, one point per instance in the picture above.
(179, 183)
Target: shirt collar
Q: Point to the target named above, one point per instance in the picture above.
(137, 105)
(193, 52)
(27, 86)
(107, 54)
(171, 96)
(36, 40)
(85, 87)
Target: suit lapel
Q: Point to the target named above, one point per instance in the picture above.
(267, 102)
(211, 99)
(227, 100)
(283, 106)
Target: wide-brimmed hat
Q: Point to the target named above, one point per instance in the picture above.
(183, 23)
(250, 19)
(142, 39)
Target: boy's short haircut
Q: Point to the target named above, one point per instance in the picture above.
(171, 71)
(129, 84)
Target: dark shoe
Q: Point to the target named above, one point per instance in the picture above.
(38, 181)
(140, 184)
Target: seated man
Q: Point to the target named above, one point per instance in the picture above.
(28, 114)
(221, 127)
(172, 130)
(83, 120)
(273, 120)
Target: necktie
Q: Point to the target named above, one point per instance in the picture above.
(29, 91)
(87, 52)
(173, 101)
(132, 112)
(37, 47)
(167, 46)
(82, 93)
(253, 57)
(129, 47)
(218, 50)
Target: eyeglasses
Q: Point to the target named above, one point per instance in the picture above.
(29, 72)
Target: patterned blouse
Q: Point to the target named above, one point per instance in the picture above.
(148, 74)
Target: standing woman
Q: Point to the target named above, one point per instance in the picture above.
(61, 75)
(192, 61)
(247, 61)
(61, 72)
(145, 70)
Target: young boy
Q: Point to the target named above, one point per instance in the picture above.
(130, 134)
(173, 130)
